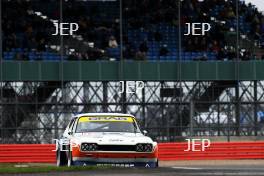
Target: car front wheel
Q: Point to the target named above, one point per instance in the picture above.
(157, 163)
(70, 159)
(61, 158)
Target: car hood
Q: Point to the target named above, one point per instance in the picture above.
(112, 138)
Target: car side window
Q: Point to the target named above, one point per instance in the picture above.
(71, 124)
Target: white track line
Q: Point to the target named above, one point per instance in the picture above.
(187, 168)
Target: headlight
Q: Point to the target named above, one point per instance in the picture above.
(148, 147)
(139, 148)
(144, 147)
(89, 147)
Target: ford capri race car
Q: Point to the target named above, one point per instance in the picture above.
(106, 139)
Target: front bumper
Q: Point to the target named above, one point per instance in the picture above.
(117, 162)
(119, 159)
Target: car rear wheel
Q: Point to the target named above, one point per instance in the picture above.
(61, 158)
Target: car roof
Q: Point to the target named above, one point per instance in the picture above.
(103, 114)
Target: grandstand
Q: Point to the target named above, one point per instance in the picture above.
(195, 85)
(27, 30)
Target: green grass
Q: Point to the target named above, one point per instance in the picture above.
(10, 168)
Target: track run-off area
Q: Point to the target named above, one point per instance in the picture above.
(177, 168)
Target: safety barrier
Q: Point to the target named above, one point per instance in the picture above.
(42, 153)
(27, 153)
(216, 151)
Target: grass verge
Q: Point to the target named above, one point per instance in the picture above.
(27, 168)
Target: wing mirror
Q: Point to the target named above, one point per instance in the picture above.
(70, 132)
(145, 132)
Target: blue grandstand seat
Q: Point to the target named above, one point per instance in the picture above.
(162, 58)
(114, 52)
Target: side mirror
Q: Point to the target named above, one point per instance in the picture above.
(70, 133)
(145, 132)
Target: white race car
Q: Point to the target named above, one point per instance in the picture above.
(106, 139)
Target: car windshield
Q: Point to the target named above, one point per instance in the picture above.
(107, 124)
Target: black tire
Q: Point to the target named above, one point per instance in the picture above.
(61, 158)
(157, 163)
(69, 163)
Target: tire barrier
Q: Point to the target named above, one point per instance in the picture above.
(42, 153)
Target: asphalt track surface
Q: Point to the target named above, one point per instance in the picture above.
(179, 168)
